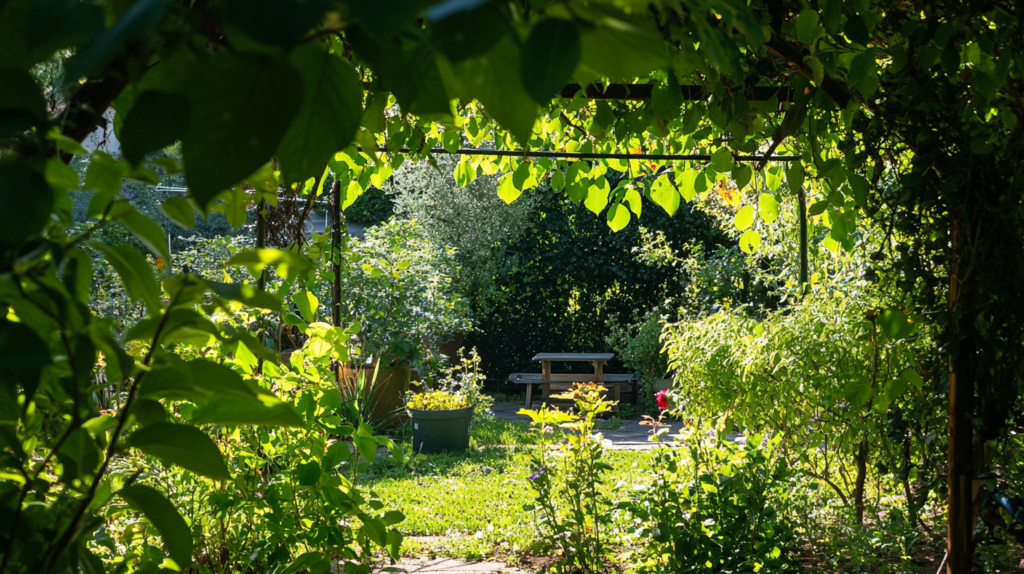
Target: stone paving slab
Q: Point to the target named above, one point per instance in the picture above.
(450, 566)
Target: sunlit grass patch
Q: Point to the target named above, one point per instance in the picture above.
(470, 504)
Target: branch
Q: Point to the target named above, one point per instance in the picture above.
(792, 56)
(122, 420)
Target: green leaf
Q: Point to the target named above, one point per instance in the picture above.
(307, 304)
(61, 175)
(622, 52)
(506, 190)
(667, 98)
(180, 211)
(634, 200)
(283, 262)
(27, 201)
(549, 57)
(741, 174)
(136, 21)
(721, 160)
(135, 272)
(618, 217)
(750, 241)
(242, 105)
(21, 93)
(150, 233)
(864, 73)
(21, 348)
(395, 539)
(686, 182)
(857, 29)
(308, 474)
(807, 29)
(78, 455)
(169, 523)
(665, 194)
(104, 174)
(181, 445)
(494, 80)
(155, 121)
(597, 195)
(465, 173)
(375, 529)
(857, 392)
(817, 208)
(860, 188)
(839, 231)
(522, 177)
(276, 22)
(265, 409)
(366, 446)
(469, 30)
(768, 206)
(795, 177)
(247, 294)
(774, 178)
(895, 324)
(310, 562)
(330, 114)
(744, 217)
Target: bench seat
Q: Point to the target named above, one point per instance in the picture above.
(562, 382)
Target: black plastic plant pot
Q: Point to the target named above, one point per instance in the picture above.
(439, 431)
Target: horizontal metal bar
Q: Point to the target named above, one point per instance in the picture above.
(582, 155)
(640, 92)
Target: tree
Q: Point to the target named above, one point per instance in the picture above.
(906, 112)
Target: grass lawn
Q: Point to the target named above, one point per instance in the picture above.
(469, 504)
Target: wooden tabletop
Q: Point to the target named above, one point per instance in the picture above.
(574, 356)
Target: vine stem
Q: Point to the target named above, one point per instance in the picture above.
(122, 420)
(88, 232)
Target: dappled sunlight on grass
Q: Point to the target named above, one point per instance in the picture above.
(469, 504)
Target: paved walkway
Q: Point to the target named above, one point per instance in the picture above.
(450, 566)
(629, 436)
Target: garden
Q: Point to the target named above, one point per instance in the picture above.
(330, 286)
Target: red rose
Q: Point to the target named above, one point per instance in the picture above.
(662, 397)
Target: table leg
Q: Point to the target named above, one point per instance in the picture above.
(529, 396)
(545, 369)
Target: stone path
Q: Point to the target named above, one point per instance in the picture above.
(629, 436)
(450, 566)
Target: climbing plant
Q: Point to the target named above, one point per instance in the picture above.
(903, 112)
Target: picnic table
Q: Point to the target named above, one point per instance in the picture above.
(548, 380)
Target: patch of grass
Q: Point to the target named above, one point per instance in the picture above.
(469, 504)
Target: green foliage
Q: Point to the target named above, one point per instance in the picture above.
(569, 510)
(566, 274)
(437, 401)
(904, 114)
(458, 386)
(398, 287)
(372, 207)
(714, 507)
(468, 216)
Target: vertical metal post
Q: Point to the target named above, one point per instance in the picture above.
(962, 470)
(261, 281)
(802, 215)
(545, 369)
(336, 252)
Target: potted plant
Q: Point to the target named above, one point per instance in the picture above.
(442, 417)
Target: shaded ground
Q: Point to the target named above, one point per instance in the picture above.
(629, 436)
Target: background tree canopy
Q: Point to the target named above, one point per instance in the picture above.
(903, 112)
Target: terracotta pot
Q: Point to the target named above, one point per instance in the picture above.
(386, 394)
